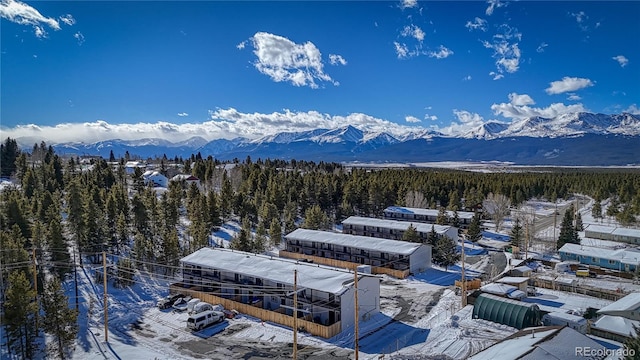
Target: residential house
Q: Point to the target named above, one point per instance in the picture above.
(130, 166)
(621, 234)
(155, 178)
(393, 257)
(187, 179)
(624, 260)
(425, 215)
(263, 286)
(393, 229)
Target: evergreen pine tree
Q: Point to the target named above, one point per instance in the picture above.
(568, 233)
(316, 219)
(516, 235)
(290, 215)
(260, 240)
(126, 272)
(432, 238)
(446, 252)
(59, 248)
(242, 240)
(579, 224)
(442, 218)
(474, 233)
(59, 320)
(632, 345)
(596, 210)
(411, 234)
(20, 311)
(275, 232)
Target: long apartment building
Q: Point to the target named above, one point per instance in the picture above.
(345, 250)
(393, 229)
(424, 215)
(325, 296)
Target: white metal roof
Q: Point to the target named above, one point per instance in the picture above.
(427, 212)
(600, 229)
(395, 224)
(280, 270)
(625, 256)
(566, 317)
(498, 289)
(355, 241)
(630, 302)
(616, 324)
(627, 232)
(513, 280)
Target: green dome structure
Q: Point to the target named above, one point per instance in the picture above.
(505, 311)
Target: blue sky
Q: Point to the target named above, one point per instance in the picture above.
(86, 70)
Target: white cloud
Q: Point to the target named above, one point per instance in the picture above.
(414, 32)
(541, 47)
(183, 114)
(467, 117)
(568, 84)
(573, 97)
(579, 16)
(512, 111)
(477, 24)
(283, 60)
(23, 14)
(241, 45)
(496, 76)
(520, 99)
(68, 19)
(430, 117)
(466, 78)
(412, 119)
(337, 59)
(401, 50)
(442, 53)
(79, 37)
(621, 59)
(494, 4)
(633, 109)
(505, 49)
(406, 4)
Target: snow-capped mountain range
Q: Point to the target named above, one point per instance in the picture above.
(563, 140)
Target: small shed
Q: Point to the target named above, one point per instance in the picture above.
(508, 312)
(521, 271)
(575, 322)
(517, 281)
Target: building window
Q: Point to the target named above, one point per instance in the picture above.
(594, 259)
(612, 262)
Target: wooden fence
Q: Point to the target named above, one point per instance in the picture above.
(263, 314)
(579, 289)
(400, 274)
(470, 284)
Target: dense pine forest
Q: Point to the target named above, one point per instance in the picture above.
(62, 208)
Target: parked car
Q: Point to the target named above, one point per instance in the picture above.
(532, 291)
(181, 303)
(167, 302)
(201, 307)
(201, 320)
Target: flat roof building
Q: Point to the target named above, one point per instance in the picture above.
(345, 250)
(393, 229)
(624, 260)
(263, 285)
(425, 215)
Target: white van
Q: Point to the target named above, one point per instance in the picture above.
(204, 319)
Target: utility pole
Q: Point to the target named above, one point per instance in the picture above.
(464, 280)
(35, 279)
(295, 314)
(555, 214)
(357, 317)
(75, 275)
(104, 284)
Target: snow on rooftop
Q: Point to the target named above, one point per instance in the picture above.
(315, 277)
(498, 289)
(355, 241)
(626, 256)
(630, 302)
(616, 324)
(513, 348)
(566, 316)
(627, 232)
(427, 212)
(513, 280)
(395, 224)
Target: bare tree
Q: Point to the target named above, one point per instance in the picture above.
(415, 199)
(497, 206)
